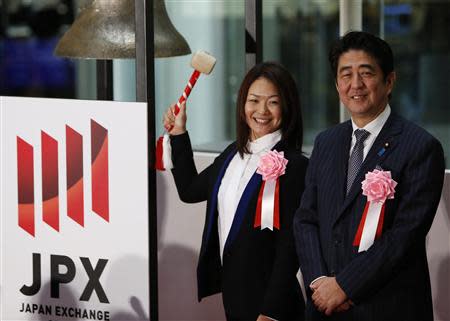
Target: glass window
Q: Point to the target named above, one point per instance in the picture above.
(418, 32)
(298, 35)
(218, 28)
(29, 32)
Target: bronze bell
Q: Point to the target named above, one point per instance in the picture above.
(105, 29)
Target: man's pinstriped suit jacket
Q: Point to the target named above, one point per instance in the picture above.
(389, 281)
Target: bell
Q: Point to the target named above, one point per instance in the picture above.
(168, 41)
(105, 29)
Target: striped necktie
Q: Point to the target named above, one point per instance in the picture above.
(357, 156)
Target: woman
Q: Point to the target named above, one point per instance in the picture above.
(254, 267)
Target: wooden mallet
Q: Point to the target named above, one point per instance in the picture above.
(203, 63)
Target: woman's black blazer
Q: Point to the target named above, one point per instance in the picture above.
(258, 274)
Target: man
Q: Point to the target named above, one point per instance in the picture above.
(364, 257)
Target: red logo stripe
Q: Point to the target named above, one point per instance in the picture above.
(74, 163)
(50, 192)
(25, 183)
(99, 167)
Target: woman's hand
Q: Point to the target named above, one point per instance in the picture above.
(175, 125)
(263, 318)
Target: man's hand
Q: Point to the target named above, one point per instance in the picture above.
(344, 306)
(328, 295)
(314, 285)
(263, 318)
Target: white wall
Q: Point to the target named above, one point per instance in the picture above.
(438, 247)
(180, 228)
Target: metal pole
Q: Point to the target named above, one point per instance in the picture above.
(145, 92)
(253, 33)
(105, 80)
(350, 19)
(382, 19)
(3, 17)
(350, 16)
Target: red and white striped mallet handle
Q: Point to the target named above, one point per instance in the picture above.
(203, 63)
(187, 90)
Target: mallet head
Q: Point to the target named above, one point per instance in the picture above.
(203, 62)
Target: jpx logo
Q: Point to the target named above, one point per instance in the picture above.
(57, 278)
(74, 176)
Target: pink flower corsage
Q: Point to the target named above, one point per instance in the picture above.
(378, 186)
(272, 165)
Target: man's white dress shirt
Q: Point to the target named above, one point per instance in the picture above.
(374, 128)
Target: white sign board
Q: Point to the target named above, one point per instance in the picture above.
(74, 210)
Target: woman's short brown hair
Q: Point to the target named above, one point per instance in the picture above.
(291, 115)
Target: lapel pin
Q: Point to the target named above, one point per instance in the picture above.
(383, 149)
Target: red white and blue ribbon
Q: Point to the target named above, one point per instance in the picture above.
(163, 153)
(268, 208)
(370, 226)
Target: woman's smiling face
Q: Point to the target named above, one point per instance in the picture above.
(262, 108)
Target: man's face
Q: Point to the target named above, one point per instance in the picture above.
(361, 85)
